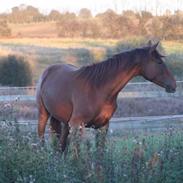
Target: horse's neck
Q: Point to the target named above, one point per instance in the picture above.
(121, 78)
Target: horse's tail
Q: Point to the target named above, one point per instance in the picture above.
(40, 83)
(43, 114)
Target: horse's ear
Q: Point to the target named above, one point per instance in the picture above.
(149, 43)
(153, 47)
(162, 56)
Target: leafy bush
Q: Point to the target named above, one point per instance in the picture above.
(15, 71)
(131, 158)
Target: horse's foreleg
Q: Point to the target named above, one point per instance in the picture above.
(75, 138)
(75, 131)
(101, 137)
(100, 148)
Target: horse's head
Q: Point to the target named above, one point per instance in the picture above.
(155, 70)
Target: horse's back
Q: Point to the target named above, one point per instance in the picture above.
(53, 72)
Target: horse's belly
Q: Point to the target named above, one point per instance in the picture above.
(99, 122)
(64, 113)
(103, 117)
(61, 111)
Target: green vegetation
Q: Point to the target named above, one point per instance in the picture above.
(142, 158)
(15, 71)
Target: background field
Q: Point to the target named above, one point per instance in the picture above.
(32, 30)
(42, 52)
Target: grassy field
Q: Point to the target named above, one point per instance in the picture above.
(41, 52)
(131, 158)
(169, 46)
(59, 42)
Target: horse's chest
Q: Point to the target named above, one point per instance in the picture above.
(104, 115)
(106, 112)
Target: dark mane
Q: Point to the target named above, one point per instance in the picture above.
(97, 74)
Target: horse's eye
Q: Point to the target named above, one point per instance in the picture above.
(160, 61)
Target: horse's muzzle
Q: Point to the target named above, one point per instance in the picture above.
(170, 89)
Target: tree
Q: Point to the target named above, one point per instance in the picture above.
(54, 15)
(30, 14)
(85, 13)
(5, 31)
(154, 28)
(145, 17)
(131, 22)
(24, 14)
(15, 71)
(68, 26)
(89, 28)
(109, 23)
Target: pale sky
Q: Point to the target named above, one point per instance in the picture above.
(96, 6)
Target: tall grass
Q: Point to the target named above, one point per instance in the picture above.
(131, 158)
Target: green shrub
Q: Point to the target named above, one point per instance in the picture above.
(15, 71)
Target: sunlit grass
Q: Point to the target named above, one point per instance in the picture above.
(60, 42)
(169, 46)
(173, 47)
(45, 51)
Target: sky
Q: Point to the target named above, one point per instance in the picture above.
(96, 6)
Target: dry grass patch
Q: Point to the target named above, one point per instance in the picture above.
(60, 42)
(42, 29)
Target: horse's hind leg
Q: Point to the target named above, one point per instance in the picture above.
(61, 130)
(55, 126)
(64, 136)
(43, 116)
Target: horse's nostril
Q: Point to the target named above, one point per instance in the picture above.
(170, 89)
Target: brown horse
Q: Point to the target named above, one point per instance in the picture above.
(86, 96)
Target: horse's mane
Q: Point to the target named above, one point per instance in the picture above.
(98, 73)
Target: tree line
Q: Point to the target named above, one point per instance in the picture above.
(108, 24)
